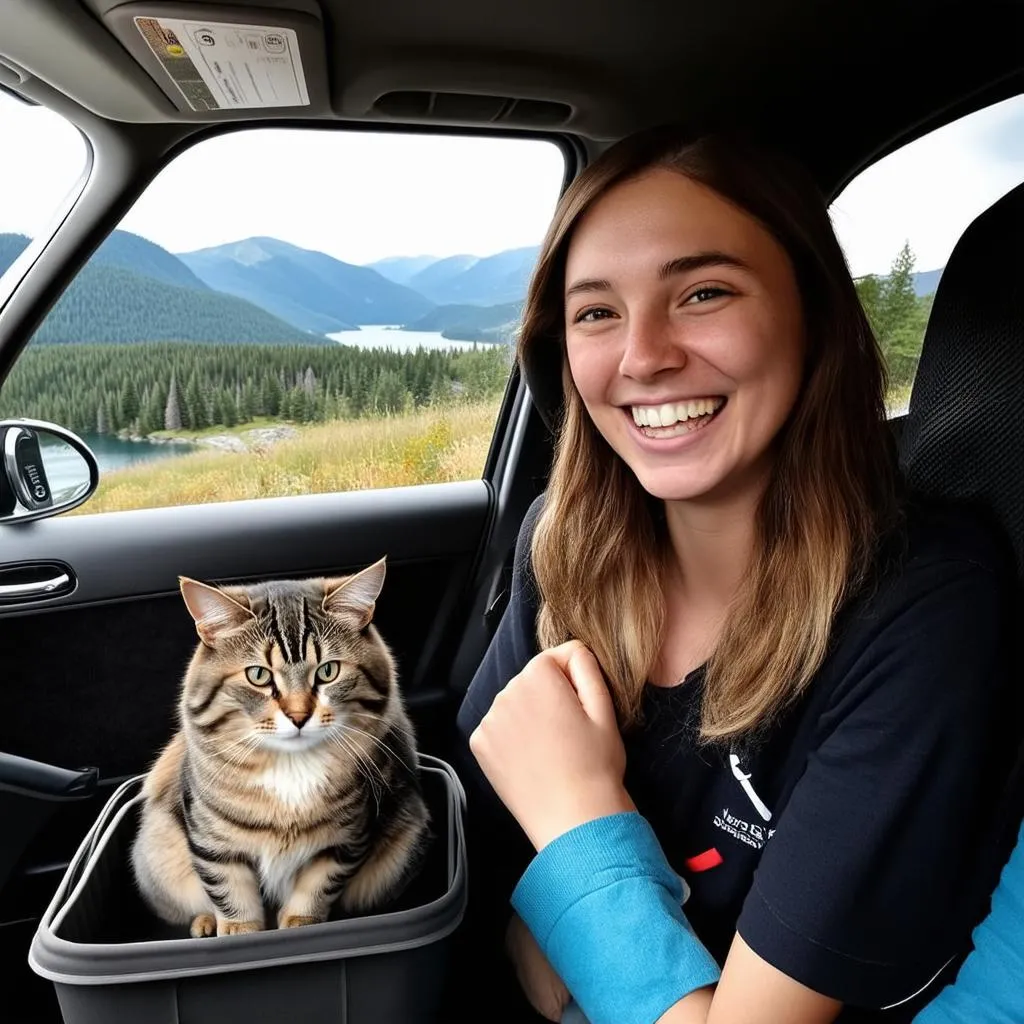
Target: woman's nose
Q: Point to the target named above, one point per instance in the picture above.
(650, 347)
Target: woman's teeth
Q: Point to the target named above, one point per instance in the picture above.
(684, 417)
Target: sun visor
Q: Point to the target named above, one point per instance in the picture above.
(216, 62)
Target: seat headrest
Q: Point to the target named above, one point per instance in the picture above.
(542, 368)
(964, 433)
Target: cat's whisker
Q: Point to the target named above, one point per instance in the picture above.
(379, 742)
(380, 718)
(235, 753)
(364, 758)
(362, 732)
(357, 758)
(246, 743)
(243, 741)
(239, 757)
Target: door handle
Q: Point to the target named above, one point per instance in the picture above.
(38, 588)
(28, 581)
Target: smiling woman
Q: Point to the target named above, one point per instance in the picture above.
(736, 654)
(722, 282)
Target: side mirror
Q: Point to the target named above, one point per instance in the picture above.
(44, 470)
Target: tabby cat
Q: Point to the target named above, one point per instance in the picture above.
(292, 784)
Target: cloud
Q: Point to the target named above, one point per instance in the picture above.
(929, 191)
(359, 196)
(1001, 134)
(44, 157)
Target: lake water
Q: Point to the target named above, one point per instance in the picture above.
(114, 453)
(383, 336)
(66, 470)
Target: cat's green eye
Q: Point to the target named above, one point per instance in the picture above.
(328, 671)
(258, 675)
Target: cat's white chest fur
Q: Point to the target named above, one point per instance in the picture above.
(278, 870)
(295, 778)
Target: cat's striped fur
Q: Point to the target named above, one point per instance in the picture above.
(292, 793)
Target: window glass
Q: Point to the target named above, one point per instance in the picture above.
(43, 158)
(291, 311)
(899, 220)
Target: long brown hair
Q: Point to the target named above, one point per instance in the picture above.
(600, 549)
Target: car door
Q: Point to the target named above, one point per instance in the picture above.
(92, 672)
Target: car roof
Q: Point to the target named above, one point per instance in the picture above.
(836, 83)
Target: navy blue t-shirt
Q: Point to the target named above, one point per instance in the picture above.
(840, 842)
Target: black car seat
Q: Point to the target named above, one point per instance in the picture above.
(963, 438)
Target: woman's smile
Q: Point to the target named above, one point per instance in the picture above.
(671, 426)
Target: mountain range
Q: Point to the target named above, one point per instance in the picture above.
(465, 280)
(926, 281)
(132, 290)
(472, 323)
(309, 289)
(266, 291)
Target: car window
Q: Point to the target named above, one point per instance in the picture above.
(291, 311)
(44, 157)
(899, 220)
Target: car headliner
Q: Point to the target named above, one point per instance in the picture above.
(837, 83)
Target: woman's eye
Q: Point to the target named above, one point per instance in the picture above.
(258, 675)
(590, 316)
(706, 294)
(328, 671)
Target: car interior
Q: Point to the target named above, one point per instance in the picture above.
(839, 86)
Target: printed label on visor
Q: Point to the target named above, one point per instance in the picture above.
(220, 66)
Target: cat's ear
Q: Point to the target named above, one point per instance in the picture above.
(215, 612)
(356, 594)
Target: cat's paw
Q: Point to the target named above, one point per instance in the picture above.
(203, 926)
(295, 921)
(238, 927)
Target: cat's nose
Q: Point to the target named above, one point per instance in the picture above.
(300, 717)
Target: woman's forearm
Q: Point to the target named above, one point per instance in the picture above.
(606, 910)
(691, 1009)
(605, 907)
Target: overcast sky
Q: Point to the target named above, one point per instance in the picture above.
(361, 196)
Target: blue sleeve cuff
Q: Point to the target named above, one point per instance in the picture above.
(605, 907)
(990, 985)
(585, 859)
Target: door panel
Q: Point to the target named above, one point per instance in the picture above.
(91, 679)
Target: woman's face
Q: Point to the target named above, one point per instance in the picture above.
(684, 334)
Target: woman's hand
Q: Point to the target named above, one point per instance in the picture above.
(537, 978)
(550, 745)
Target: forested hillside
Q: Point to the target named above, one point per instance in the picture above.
(142, 389)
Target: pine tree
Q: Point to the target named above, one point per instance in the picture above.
(271, 394)
(228, 409)
(247, 404)
(195, 404)
(112, 407)
(897, 316)
(295, 403)
(130, 403)
(172, 410)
